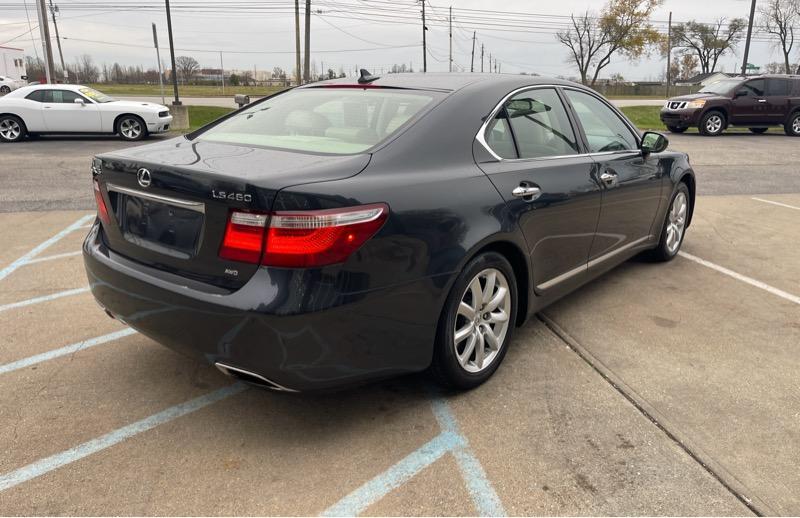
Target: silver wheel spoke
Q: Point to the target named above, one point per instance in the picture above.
(466, 311)
(464, 332)
(480, 350)
(498, 317)
(488, 290)
(464, 357)
(491, 339)
(498, 299)
(477, 292)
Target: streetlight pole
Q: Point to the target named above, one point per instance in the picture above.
(749, 34)
(158, 57)
(177, 101)
(64, 71)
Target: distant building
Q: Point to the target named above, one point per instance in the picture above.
(703, 79)
(12, 63)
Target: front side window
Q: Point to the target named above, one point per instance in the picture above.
(754, 88)
(605, 130)
(540, 124)
(322, 120)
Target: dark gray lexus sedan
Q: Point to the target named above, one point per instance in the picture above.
(350, 230)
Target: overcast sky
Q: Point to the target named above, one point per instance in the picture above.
(265, 38)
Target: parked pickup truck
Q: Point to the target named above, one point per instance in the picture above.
(753, 102)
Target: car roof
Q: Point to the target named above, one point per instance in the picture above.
(447, 82)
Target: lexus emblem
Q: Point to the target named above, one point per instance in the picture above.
(143, 175)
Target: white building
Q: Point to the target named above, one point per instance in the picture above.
(12, 63)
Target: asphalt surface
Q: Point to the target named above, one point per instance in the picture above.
(659, 389)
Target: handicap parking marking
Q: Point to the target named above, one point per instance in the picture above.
(779, 204)
(5, 272)
(743, 278)
(63, 351)
(43, 298)
(450, 440)
(53, 462)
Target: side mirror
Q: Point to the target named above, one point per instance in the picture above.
(740, 93)
(23, 78)
(241, 99)
(79, 101)
(653, 142)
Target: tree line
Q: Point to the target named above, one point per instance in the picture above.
(623, 28)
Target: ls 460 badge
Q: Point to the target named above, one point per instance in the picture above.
(233, 196)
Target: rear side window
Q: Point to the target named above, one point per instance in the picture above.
(605, 130)
(499, 137)
(540, 124)
(778, 87)
(755, 87)
(323, 120)
(36, 95)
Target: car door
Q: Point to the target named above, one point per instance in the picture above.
(63, 114)
(778, 99)
(749, 105)
(631, 182)
(548, 183)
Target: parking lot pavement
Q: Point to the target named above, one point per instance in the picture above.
(657, 389)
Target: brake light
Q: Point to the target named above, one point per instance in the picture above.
(102, 209)
(244, 237)
(301, 239)
(322, 237)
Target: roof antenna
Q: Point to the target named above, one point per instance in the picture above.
(366, 77)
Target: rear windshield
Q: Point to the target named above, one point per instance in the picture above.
(720, 87)
(322, 120)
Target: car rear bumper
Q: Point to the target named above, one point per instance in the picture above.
(680, 118)
(282, 325)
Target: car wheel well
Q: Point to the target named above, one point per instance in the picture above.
(688, 179)
(122, 116)
(516, 257)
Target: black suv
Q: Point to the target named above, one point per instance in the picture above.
(753, 102)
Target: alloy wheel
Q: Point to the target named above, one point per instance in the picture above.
(482, 320)
(714, 124)
(10, 129)
(130, 128)
(677, 222)
(796, 125)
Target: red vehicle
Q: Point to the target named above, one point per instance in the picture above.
(753, 102)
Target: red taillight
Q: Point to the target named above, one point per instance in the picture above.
(244, 237)
(102, 209)
(302, 239)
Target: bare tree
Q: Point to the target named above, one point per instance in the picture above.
(708, 42)
(186, 67)
(779, 17)
(622, 27)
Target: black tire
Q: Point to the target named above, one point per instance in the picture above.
(5, 89)
(127, 128)
(792, 126)
(676, 129)
(12, 129)
(712, 123)
(758, 131)
(663, 252)
(446, 368)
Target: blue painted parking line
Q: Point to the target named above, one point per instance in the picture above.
(43, 298)
(46, 465)
(5, 272)
(450, 440)
(63, 351)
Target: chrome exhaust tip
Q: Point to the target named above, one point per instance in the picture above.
(250, 377)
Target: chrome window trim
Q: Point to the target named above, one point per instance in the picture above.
(190, 205)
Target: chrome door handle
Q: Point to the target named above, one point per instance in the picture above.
(762, 100)
(525, 191)
(610, 179)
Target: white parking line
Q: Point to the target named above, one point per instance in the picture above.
(738, 276)
(63, 351)
(5, 272)
(44, 298)
(46, 465)
(51, 257)
(779, 204)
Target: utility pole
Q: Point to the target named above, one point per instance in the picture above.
(451, 40)
(481, 58)
(297, 42)
(177, 101)
(307, 67)
(490, 62)
(222, 72)
(49, 70)
(158, 57)
(424, 41)
(58, 42)
(749, 34)
(472, 59)
(669, 52)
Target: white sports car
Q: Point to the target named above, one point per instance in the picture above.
(8, 84)
(77, 109)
